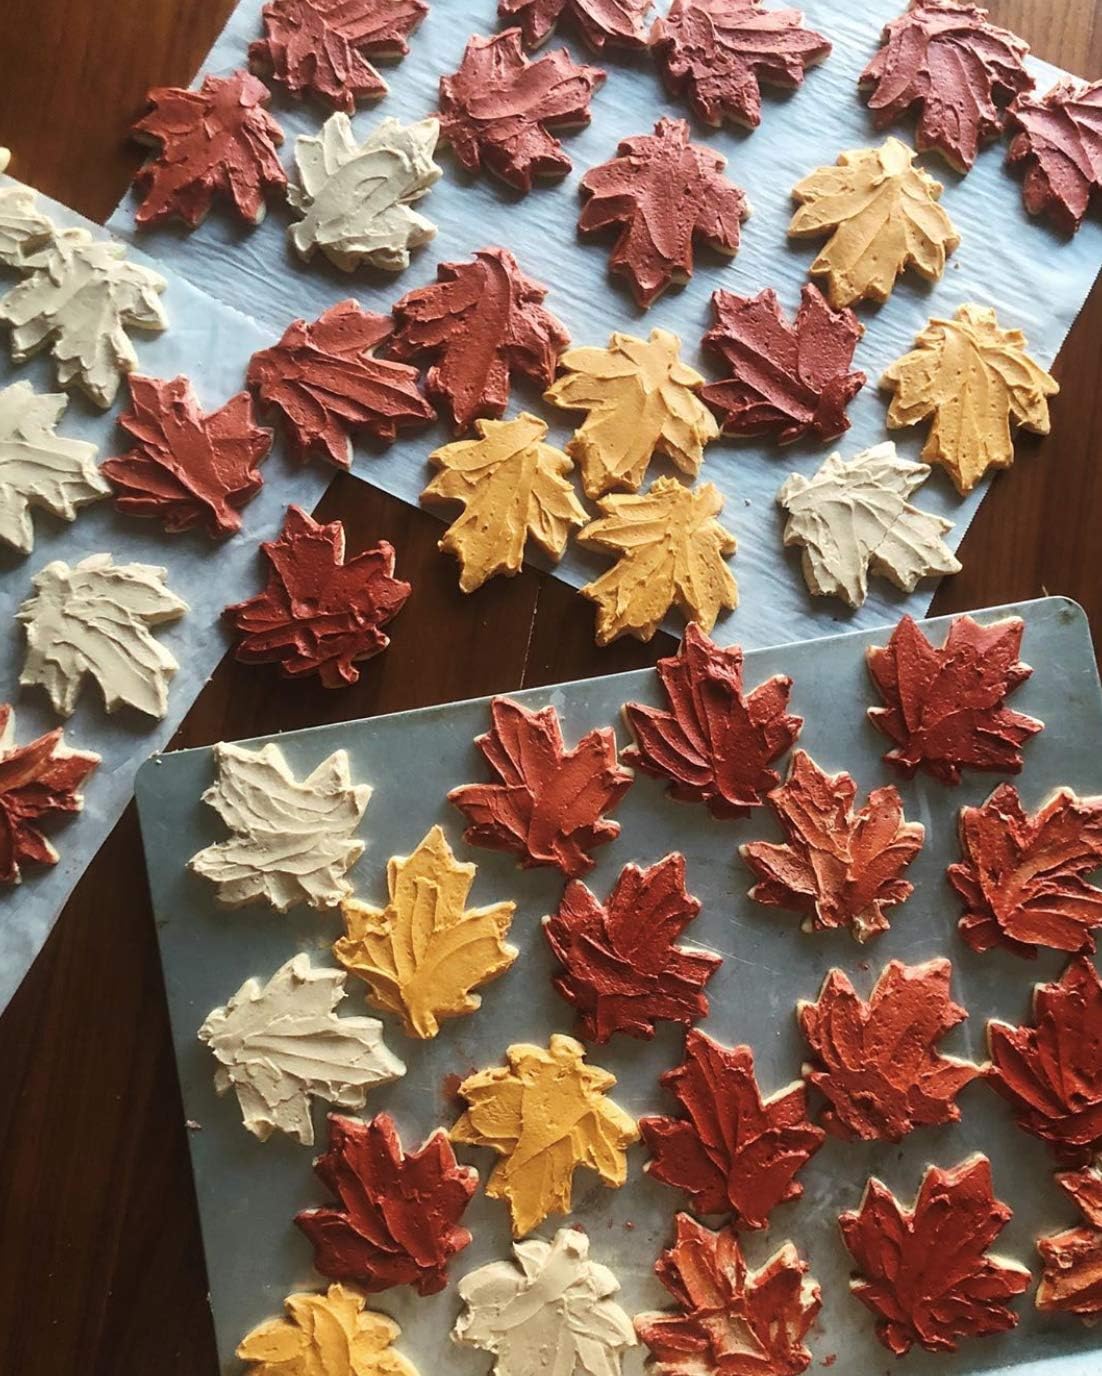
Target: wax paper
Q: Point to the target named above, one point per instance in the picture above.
(210, 344)
(1036, 278)
(248, 1191)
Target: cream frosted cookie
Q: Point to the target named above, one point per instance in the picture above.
(357, 199)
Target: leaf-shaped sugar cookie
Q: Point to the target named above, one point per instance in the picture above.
(39, 467)
(852, 518)
(671, 551)
(281, 1043)
(513, 488)
(883, 216)
(332, 1334)
(641, 400)
(619, 23)
(292, 841)
(21, 221)
(357, 199)
(97, 617)
(975, 380)
(423, 954)
(545, 1112)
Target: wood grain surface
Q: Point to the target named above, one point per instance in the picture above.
(101, 1267)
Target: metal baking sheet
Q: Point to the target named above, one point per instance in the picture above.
(248, 1191)
(1035, 277)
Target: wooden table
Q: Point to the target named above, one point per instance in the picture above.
(101, 1266)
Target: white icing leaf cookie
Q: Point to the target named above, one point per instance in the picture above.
(81, 296)
(279, 1043)
(854, 518)
(292, 842)
(39, 467)
(356, 198)
(550, 1313)
(95, 618)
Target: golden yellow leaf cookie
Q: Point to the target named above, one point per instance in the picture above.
(545, 1113)
(641, 400)
(883, 216)
(975, 379)
(671, 550)
(423, 953)
(325, 1335)
(513, 488)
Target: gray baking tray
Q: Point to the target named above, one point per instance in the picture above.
(249, 1191)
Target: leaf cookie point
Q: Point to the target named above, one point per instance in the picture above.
(1051, 1073)
(945, 708)
(513, 488)
(357, 199)
(641, 400)
(479, 323)
(788, 381)
(876, 1062)
(96, 618)
(839, 867)
(727, 1314)
(325, 380)
(281, 1043)
(423, 954)
(549, 804)
(731, 1151)
(332, 1333)
(497, 111)
(320, 612)
(714, 54)
(219, 140)
(39, 782)
(545, 1113)
(292, 842)
(960, 72)
(975, 381)
(397, 1216)
(671, 551)
(925, 1271)
(852, 518)
(38, 467)
(662, 194)
(883, 216)
(622, 970)
(553, 1310)
(1058, 142)
(715, 744)
(619, 23)
(1072, 1279)
(323, 47)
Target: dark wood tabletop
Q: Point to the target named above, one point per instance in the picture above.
(101, 1265)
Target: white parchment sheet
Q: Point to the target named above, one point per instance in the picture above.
(210, 344)
(1036, 279)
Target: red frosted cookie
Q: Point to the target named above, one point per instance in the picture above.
(1072, 1280)
(1058, 143)
(619, 23)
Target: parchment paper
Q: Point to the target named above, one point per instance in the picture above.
(1037, 279)
(248, 1191)
(209, 343)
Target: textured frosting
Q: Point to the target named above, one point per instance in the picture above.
(1059, 144)
(423, 954)
(292, 841)
(671, 551)
(1072, 1280)
(852, 518)
(513, 488)
(95, 618)
(662, 193)
(325, 1335)
(356, 199)
(280, 1043)
(545, 1112)
(883, 216)
(39, 467)
(550, 1313)
(975, 380)
(641, 400)
(619, 23)
(877, 1062)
